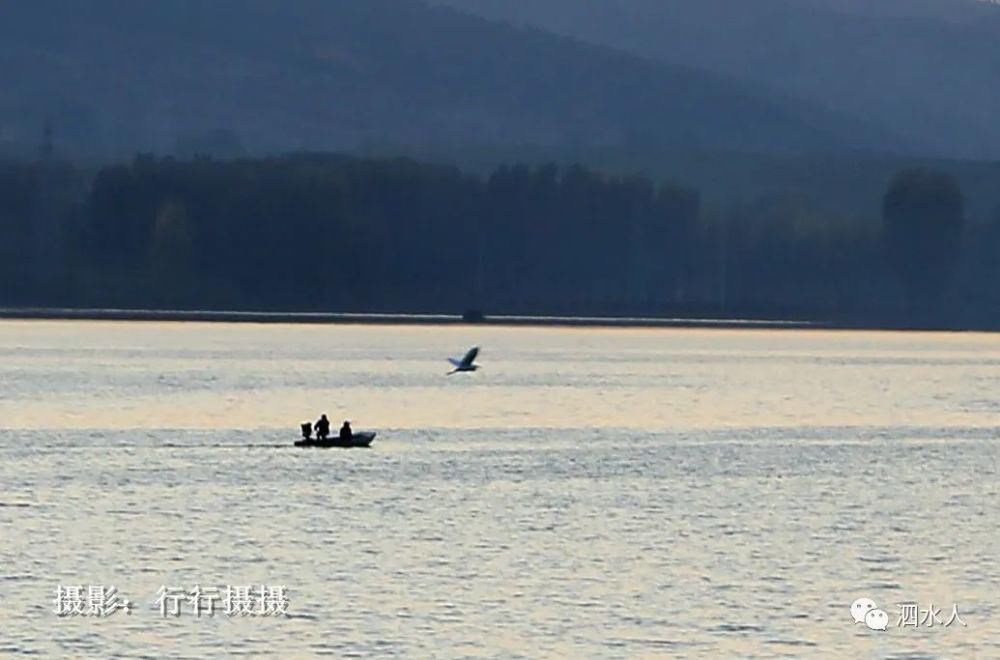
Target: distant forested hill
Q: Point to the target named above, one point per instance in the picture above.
(234, 76)
(930, 69)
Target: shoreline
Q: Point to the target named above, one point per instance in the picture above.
(500, 320)
(345, 318)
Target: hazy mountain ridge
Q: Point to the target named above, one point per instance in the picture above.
(959, 11)
(928, 68)
(115, 76)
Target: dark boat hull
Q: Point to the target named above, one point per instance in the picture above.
(361, 439)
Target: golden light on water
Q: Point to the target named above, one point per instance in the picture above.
(639, 492)
(215, 376)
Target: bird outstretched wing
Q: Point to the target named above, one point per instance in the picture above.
(470, 357)
(455, 363)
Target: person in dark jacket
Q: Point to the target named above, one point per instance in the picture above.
(322, 427)
(345, 432)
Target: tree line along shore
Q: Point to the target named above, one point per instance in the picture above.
(334, 233)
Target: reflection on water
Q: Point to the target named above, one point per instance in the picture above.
(658, 493)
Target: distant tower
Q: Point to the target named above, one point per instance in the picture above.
(46, 149)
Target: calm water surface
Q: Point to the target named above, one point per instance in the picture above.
(588, 493)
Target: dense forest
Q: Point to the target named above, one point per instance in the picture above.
(315, 232)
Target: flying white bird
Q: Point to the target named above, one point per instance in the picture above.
(466, 363)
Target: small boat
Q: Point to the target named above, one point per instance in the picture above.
(359, 439)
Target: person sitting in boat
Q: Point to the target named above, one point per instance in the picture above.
(322, 427)
(345, 432)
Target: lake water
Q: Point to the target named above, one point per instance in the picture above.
(588, 493)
